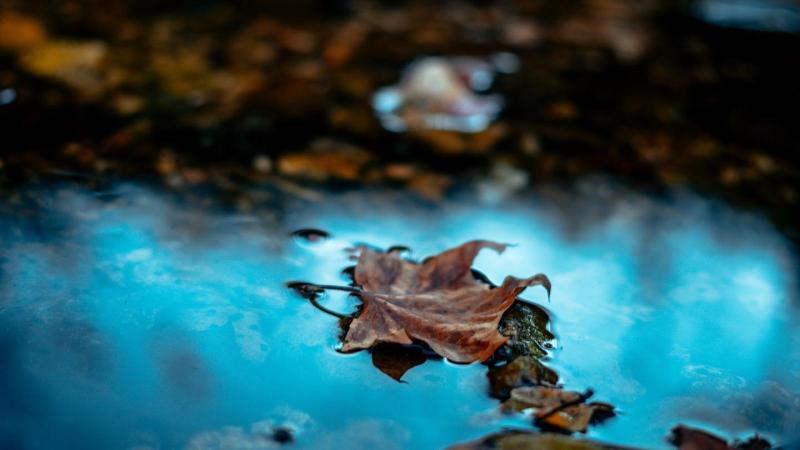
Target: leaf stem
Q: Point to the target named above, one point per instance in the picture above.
(309, 291)
(315, 303)
(335, 288)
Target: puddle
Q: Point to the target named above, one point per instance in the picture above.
(142, 320)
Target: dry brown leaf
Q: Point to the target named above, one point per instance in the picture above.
(438, 302)
(558, 408)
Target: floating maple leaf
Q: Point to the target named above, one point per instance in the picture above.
(438, 302)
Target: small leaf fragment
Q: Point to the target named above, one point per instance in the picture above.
(557, 408)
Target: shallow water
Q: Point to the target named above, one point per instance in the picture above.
(149, 320)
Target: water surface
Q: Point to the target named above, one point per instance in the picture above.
(144, 319)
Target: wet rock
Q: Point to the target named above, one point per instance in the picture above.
(526, 327)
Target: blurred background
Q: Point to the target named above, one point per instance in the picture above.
(655, 93)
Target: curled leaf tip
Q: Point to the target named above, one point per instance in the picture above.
(545, 282)
(538, 279)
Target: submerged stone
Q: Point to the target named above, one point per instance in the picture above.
(522, 440)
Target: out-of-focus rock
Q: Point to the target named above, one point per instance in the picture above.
(439, 94)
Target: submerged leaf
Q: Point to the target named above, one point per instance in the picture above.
(557, 408)
(687, 438)
(524, 440)
(523, 371)
(438, 302)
